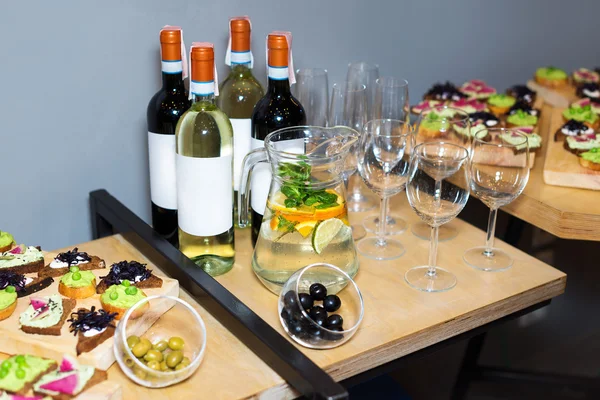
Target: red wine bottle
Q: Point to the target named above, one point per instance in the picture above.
(277, 109)
(164, 110)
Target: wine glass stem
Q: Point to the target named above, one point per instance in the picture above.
(433, 243)
(382, 219)
(491, 230)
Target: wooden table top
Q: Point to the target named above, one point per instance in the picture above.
(568, 213)
(398, 320)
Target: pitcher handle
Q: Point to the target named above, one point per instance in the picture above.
(254, 157)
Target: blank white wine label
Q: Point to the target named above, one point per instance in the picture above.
(161, 154)
(205, 195)
(241, 147)
(261, 182)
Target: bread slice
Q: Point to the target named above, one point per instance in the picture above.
(29, 385)
(77, 292)
(8, 311)
(589, 164)
(35, 286)
(109, 308)
(99, 376)
(29, 268)
(152, 282)
(87, 344)
(7, 247)
(54, 330)
(551, 83)
(95, 263)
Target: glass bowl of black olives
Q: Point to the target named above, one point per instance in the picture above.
(320, 306)
(164, 345)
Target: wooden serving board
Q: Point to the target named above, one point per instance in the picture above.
(14, 341)
(561, 167)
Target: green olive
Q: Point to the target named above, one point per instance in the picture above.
(126, 283)
(114, 295)
(164, 366)
(140, 349)
(148, 342)
(10, 289)
(76, 276)
(160, 346)
(132, 341)
(180, 366)
(131, 290)
(174, 358)
(6, 364)
(140, 373)
(153, 365)
(74, 269)
(153, 355)
(128, 361)
(185, 361)
(176, 343)
(20, 373)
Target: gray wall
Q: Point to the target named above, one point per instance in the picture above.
(76, 77)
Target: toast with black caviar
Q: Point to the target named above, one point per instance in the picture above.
(92, 327)
(24, 285)
(63, 261)
(136, 273)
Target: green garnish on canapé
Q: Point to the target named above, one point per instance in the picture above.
(76, 278)
(19, 370)
(435, 122)
(581, 114)
(593, 155)
(522, 118)
(551, 73)
(122, 296)
(8, 296)
(6, 239)
(501, 100)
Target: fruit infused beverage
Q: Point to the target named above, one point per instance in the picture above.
(306, 218)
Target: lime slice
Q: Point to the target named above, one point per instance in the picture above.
(324, 233)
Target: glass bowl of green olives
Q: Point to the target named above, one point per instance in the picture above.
(164, 346)
(320, 306)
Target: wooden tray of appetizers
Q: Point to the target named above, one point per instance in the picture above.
(13, 340)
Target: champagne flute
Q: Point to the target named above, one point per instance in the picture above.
(442, 123)
(383, 165)
(364, 73)
(391, 102)
(499, 170)
(437, 191)
(312, 91)
(349, 108)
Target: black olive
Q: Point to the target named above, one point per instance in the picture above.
(289, 300)
(316, 312)
(296, 329)
(334, 321)
(320, 320)
(332, 303)
(306, 300)
(318, 291)
(334, 336)
(316, 332)
(285, 314)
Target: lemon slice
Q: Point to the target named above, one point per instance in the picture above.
(305, 228)
(324, 233)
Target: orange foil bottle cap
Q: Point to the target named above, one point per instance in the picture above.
(172, 50)
(238, 48)
(203, 72)
(279, 55)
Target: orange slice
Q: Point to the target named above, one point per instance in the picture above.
(306, 228)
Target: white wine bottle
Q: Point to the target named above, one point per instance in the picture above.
(204, 141)
(239, 93)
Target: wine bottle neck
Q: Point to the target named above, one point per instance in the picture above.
(203, 91)
(203, 97)
(279, 80)
(172, 82)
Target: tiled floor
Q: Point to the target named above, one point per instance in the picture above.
(561, 338)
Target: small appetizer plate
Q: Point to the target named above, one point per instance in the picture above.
(162, 353)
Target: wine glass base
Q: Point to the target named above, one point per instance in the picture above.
(358, 232)
(423, 231)
(394, 225)
(419, 278)
(478, 258)
(372, 248)
(358, 202)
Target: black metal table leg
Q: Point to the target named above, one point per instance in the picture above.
(468, 367)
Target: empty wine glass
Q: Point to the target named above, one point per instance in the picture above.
(349, 108)
(364, 73)
(312, 91)
(391, 102)
(499, 171)
(451, 125)
(437, 191)
(383, 160)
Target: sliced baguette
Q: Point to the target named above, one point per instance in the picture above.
(152, 282)
(99, 376)
(77, 292)
(95, 263)
(109, 308)
(589, 164)
(8, 311)
(54, 330)
(552, 83)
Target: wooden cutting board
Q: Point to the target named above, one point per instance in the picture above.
(14, 341)
(561, 167)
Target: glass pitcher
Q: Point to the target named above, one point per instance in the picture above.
(306, 218)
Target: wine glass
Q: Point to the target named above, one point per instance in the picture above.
(312, 91)
(449, 125)
(437, 190)
(499, 171)
(383, 164)
(349, 108)
(364, 73)
(391, 102)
